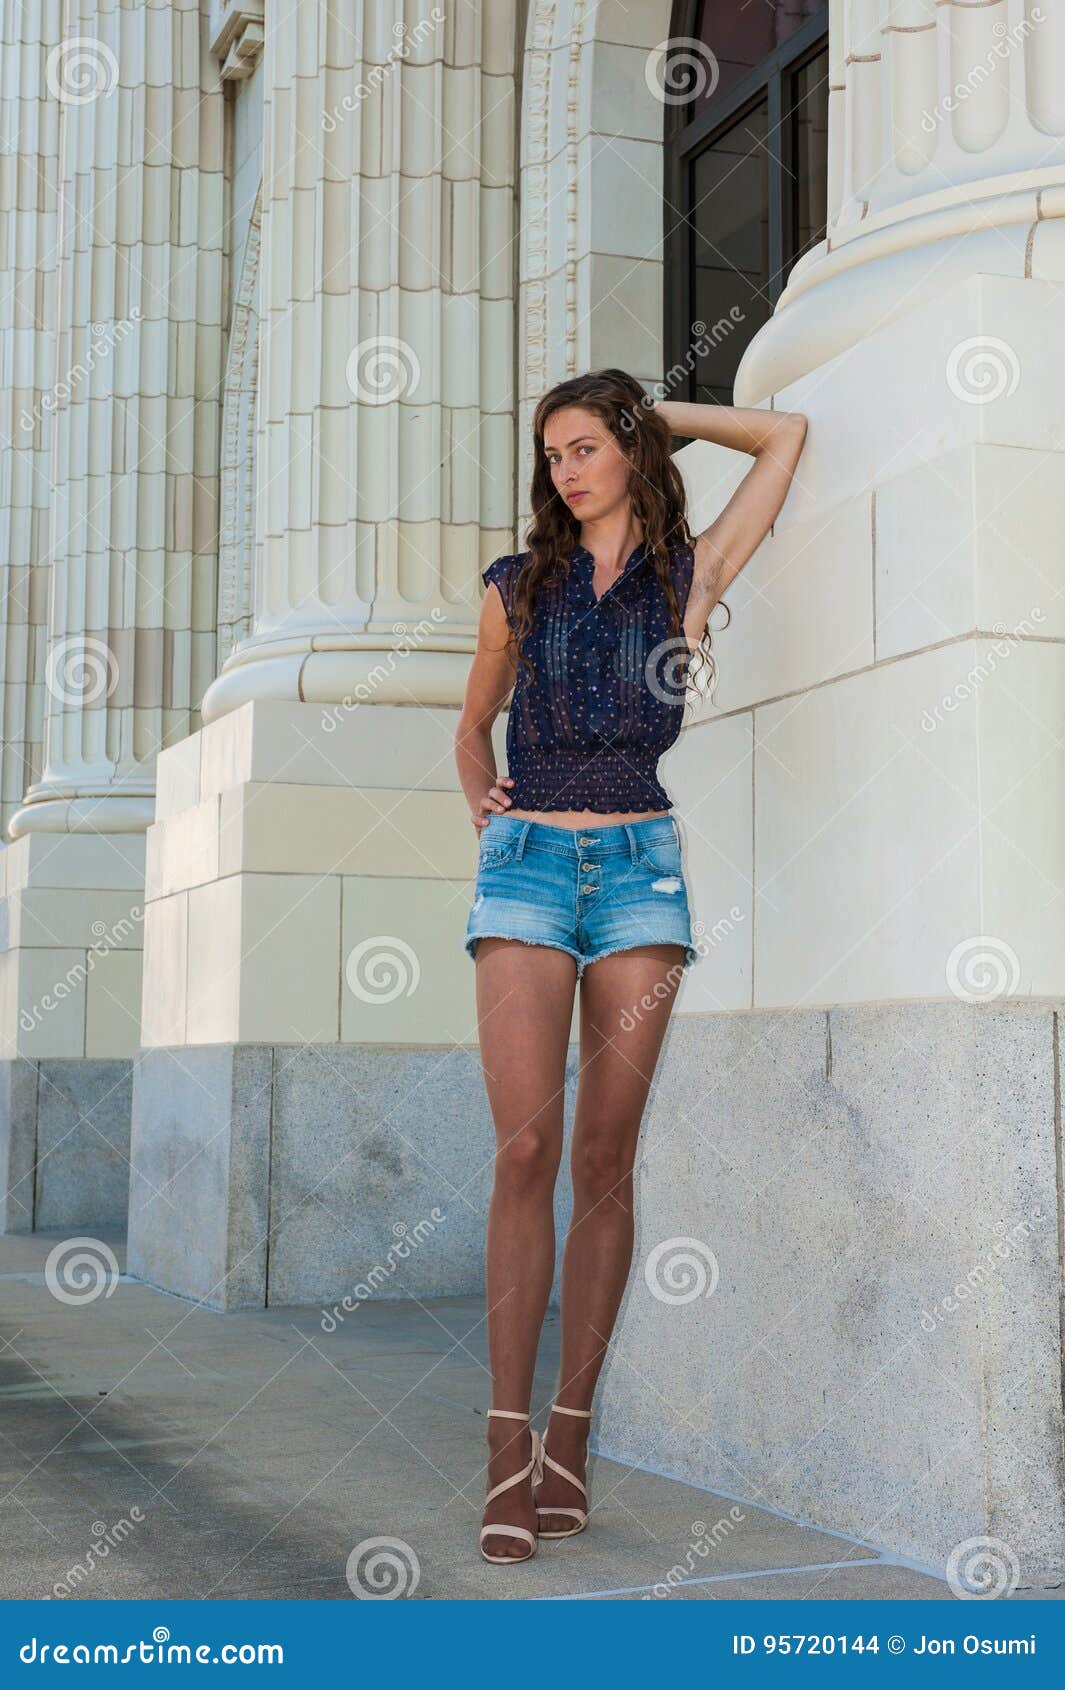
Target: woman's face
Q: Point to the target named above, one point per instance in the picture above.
(588, 467)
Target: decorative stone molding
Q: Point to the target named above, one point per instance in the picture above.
(239, 42)
(236, 538)
(946, 159)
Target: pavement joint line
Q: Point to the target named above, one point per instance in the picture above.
(878, 1555)
(713, 1578)
(886, 1557)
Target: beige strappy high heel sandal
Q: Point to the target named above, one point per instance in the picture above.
(535, 1466)
(579, 1514)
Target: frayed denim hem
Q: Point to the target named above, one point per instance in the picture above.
(470, 946)
(691, 955)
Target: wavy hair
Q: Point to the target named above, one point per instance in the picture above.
(655, 489)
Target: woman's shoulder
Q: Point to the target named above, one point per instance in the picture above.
(504, 571)
(505, 567)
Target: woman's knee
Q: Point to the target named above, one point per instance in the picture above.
(602, 1162)
(527, 1158)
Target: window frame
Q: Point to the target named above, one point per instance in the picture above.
(684, 138)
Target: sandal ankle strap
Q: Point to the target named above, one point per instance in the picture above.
(560, 1408)
(509, 1413)
(534, 1468)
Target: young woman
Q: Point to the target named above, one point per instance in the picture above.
(579, 874)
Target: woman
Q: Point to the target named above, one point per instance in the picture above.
(579, 873)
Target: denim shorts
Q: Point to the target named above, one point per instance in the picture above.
(587, 891)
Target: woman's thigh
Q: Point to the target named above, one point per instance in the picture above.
(626, 1001)
(524, 997)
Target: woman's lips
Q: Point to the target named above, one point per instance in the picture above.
(577, 496)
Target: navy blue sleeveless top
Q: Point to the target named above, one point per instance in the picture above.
(608, 697)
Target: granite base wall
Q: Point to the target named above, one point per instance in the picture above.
(845, 1299)
(64, 1142)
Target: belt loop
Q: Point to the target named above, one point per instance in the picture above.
(633, 852)
(522, 836)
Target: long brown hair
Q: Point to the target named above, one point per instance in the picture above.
(655, 489)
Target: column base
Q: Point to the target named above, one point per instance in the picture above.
(64, 1144)
(313, 1174)
(309, 1094)
(71, 920)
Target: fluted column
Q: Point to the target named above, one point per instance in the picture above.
(29, 146)
(386, 424)
(946, 158)
(139, 356)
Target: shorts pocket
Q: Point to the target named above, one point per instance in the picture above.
(661, 855)
(496, 855)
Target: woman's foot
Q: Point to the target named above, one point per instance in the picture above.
(566, 1441)
(509, 1450)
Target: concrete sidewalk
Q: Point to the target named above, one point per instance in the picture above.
(260, 1450)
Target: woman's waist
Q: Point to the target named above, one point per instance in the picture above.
(586, 820)
(540, 832)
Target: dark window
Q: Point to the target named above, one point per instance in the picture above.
(746, 175)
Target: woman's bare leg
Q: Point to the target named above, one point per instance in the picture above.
(524, 1013)
(626, 1000)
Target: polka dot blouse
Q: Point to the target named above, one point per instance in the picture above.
(608, 697)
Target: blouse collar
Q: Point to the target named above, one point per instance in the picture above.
(636, 557)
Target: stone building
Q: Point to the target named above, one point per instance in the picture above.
(280, 284)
